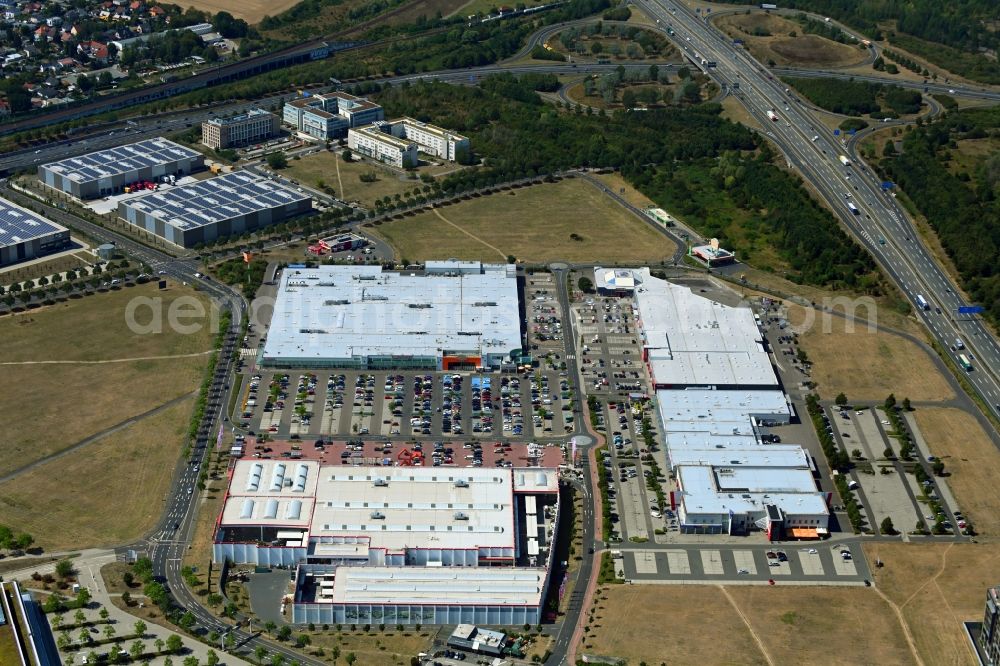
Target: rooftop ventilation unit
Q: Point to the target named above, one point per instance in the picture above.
(461, 483)
(377, 515)
(381, 483)
(461, 516)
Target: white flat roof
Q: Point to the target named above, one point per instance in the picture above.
(613, 278)
(393, 508)
(771, 455)
(691, 340)
(702, 496)
(345, 312)
(480, 586)
(412, 507)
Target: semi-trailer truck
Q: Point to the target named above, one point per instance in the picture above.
(844, 160)
(772, 116)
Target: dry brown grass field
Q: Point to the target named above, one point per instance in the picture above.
(107, 493)
(533, 224)
(778, 45)
(56, 405)
(971, 459)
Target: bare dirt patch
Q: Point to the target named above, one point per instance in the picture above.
(250, 11)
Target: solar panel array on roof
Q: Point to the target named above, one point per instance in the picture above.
(121, 159)
(18, 225)
(214, 200)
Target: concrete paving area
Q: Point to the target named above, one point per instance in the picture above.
(821, 563)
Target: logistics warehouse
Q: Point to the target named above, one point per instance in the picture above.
(402, 545)
(25, 235)
(452, 315)
(715, 389)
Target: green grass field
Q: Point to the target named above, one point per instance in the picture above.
(566, 221)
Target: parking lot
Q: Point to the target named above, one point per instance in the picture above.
(819, 563)
(305, 404)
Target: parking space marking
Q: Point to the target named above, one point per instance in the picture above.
(678, 562)
(844, 567)
(645, 562)
(744, 560)
(783, 568)
(711, 563)
(811, 564)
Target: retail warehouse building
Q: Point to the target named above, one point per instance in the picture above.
(204, 211)
(716, 390)
(451, 316)
(404, 545)
(25, 235)
(107, 172)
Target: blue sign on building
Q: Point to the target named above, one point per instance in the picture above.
(970, 309)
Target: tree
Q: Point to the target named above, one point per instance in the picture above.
(128, 579)
(335, 653)
(351, 658)
(136, 650)
(79, 616)
(906, 405)
(886, 527)
(64, 568)
(596, 48)
(191, 661)
(212, 659)
(628, 99)
(841, 399)
(109, 631)
(139, 628)
(277, 160)
(82, 597)
(346, 155)
(270, 626)
(585, 284)
(159, 645)
(84, 636)
(938, 468)
(174, 644)
(259, 654)
(284, 633)
(126, 598)
(654, 73)
(103, 614)
(890, 402)
(856, 454)
(213, 599)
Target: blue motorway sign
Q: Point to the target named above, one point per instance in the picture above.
(836, 132)
(970, 309)
(887, 185)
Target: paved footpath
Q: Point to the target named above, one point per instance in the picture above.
(88, 568)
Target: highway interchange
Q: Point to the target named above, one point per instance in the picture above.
(903, 256)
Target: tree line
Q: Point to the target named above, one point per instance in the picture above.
(855, 98)
(683, 159)
(962, 206)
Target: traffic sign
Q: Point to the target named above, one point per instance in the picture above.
(836, 132)
(887, 185)
(970, 309)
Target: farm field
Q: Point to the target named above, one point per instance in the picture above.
(879, 363)
(565, 221)
(70, 365)
(971, 459)
(777, 44)
(250, 11)
(107, 493)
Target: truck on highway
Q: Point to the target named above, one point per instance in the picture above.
(853, 208)
(922, 302)
(768, 6)
(845, 161)
(772, 116)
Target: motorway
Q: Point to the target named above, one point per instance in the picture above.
(881, 225)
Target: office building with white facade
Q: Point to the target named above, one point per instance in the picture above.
(330, 115)
(248, 128)
(432, 140)
(406, 545)
(385, 148)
